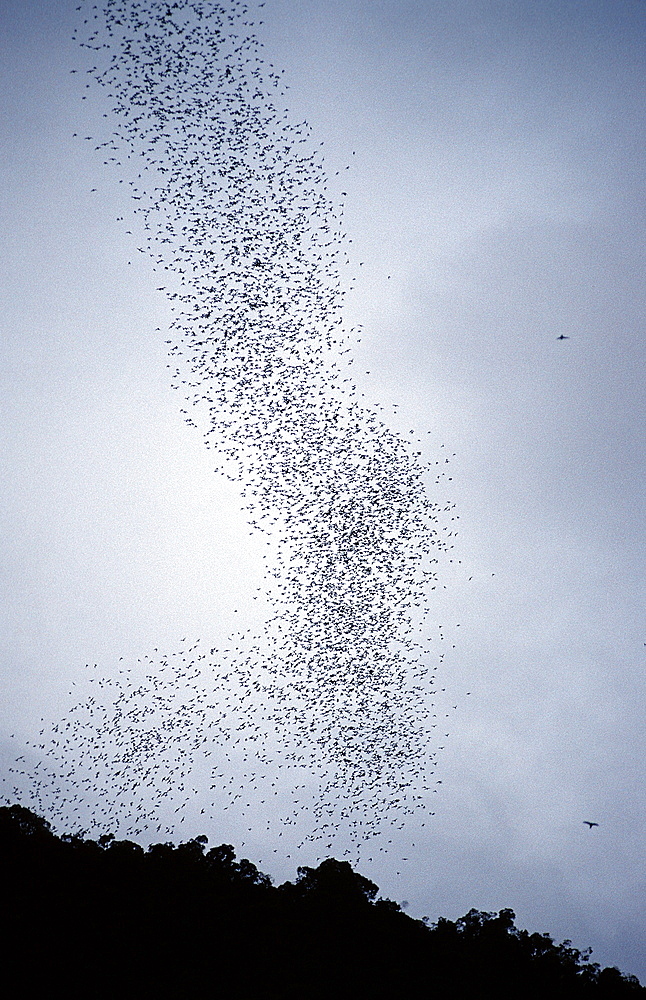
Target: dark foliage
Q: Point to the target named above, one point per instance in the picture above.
(107, 919)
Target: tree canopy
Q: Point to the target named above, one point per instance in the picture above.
(107, 918)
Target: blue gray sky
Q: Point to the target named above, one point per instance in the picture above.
(495, 202)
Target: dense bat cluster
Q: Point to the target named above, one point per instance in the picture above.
(336, 692)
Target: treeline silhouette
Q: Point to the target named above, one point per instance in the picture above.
(108, 919)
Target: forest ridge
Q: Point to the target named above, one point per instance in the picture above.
(106, 919)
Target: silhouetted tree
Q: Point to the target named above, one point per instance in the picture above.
(104, 919)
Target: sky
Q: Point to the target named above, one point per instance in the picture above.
(495, 202)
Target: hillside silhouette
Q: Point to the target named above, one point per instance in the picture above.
(107, 918)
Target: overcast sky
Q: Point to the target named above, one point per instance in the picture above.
(496, 201)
